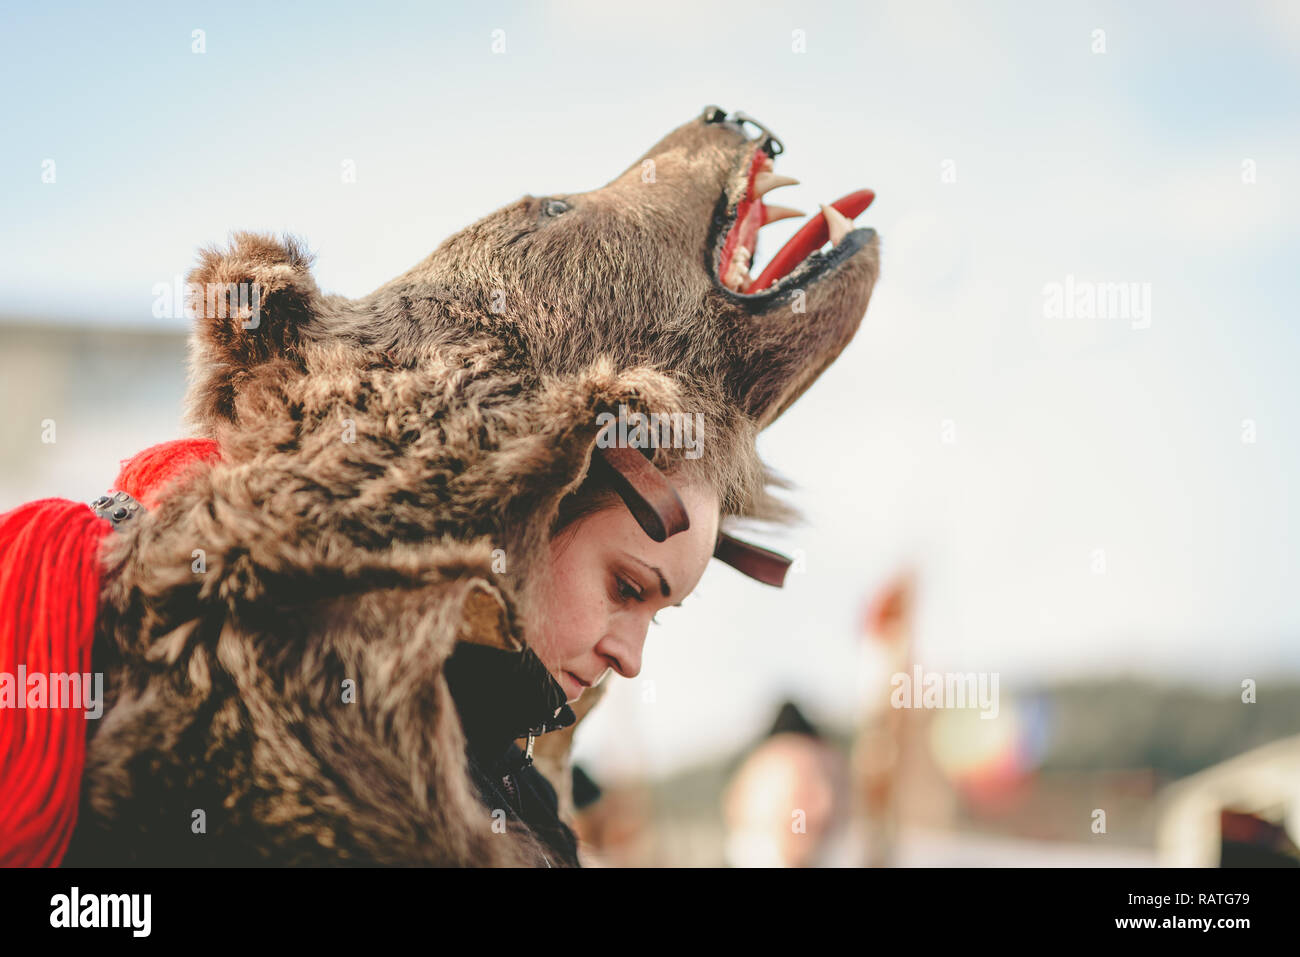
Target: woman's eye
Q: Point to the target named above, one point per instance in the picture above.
(627, 590)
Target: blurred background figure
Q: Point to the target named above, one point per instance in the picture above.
(1243, 812)
(878, 746)
(613, 824)
(788, 804)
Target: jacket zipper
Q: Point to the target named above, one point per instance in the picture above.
(508, 778)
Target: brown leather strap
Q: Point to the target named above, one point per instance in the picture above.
(758, 563)
(659, 510)
(649, 495)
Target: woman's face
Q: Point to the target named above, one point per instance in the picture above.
(608, 580)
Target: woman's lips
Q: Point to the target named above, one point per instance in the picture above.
(577, 683)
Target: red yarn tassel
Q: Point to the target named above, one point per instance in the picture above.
(146, 476)
(49, 597)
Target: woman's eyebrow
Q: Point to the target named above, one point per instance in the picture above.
(663, 585)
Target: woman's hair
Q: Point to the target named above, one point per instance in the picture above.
(594, 494)
(597, 492)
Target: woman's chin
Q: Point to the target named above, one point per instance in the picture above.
(571, 687)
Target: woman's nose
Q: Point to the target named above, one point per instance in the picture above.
(622, 648)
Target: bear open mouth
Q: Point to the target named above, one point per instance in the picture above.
(736, 230)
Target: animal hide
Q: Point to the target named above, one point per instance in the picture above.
(391, 468)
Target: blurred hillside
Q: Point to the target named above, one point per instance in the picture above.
(1112, 744)
(109, 391)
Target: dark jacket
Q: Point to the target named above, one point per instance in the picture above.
(502, 696)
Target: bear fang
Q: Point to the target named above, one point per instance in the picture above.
(102, 910)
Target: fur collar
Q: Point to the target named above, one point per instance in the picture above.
(503, 695)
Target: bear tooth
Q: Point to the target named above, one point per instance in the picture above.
(839, 224)
(737, 277)
(766, 182)
(772, 213)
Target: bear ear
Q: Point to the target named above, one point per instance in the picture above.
(250, 303)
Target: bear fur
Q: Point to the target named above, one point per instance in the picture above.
(380, 458)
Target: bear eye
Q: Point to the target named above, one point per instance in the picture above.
(554, 207)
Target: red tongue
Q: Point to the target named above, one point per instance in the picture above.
(811, 237)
